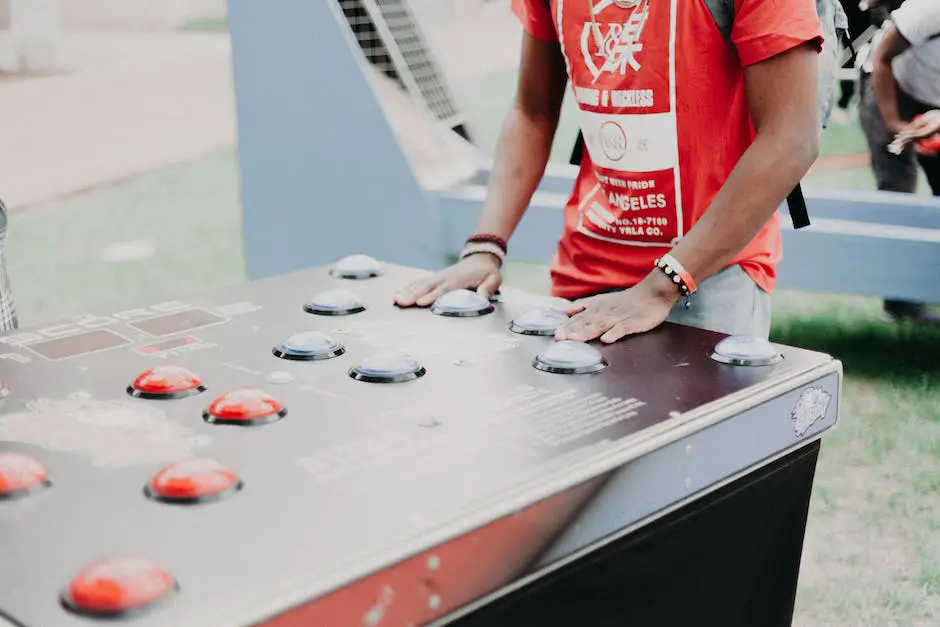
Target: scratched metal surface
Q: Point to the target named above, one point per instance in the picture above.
(355, 471)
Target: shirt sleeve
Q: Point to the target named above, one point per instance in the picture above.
(765, 28)
(917, 20)
(536, 18)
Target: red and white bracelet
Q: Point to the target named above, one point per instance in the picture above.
(678, 275)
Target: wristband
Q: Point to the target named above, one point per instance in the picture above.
(478, 248)
(678, 275)
(489, 238)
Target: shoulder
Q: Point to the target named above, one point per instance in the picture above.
(536, 18)
(763, 29)
(917, 20)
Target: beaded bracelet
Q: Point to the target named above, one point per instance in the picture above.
(678, 275)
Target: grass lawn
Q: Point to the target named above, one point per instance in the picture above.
(872, 555)
(207, 25)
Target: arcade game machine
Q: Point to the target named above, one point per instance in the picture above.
(297, 451)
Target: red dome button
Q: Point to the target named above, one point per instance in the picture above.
(245, 407)
(20, 475)
(166, 382)
(118, 585)
(193, 481)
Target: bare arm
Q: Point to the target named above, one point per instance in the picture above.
(886, 96)
(521, 155)
(781, 95)
(525, 141)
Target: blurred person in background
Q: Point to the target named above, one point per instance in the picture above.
(901, 80)
(8, 320)
(859, 21)
(880, 10)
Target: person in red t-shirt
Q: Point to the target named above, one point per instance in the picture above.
(691, 145)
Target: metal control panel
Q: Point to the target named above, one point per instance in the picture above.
(297, 443)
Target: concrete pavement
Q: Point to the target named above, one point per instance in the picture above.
(126, 105)
(130, 104)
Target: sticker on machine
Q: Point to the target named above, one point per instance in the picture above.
(107, 432)
(810, 408)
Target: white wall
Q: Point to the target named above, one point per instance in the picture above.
(29, 36)
(137, 14)
(31, 30)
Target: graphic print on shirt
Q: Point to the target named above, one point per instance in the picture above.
(623, 78)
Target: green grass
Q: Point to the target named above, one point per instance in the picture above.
(872, 554)
(485, 103)
(207, 25)
(860, 177)
(871, 549)
(190, 213)
(843, 139)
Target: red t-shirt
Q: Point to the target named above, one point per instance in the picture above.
(662, 109)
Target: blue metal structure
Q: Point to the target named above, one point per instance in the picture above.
(323, 176)
(322, 173)
(869, 243)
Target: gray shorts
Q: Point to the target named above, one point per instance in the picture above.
(729, 302)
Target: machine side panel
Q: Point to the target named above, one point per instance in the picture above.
(320, 165)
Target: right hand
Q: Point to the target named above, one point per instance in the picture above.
(480, 271)
(923, 126)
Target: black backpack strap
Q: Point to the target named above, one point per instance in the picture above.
(578, 151)
(797, 204)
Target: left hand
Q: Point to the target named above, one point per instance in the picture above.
(614, 316)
